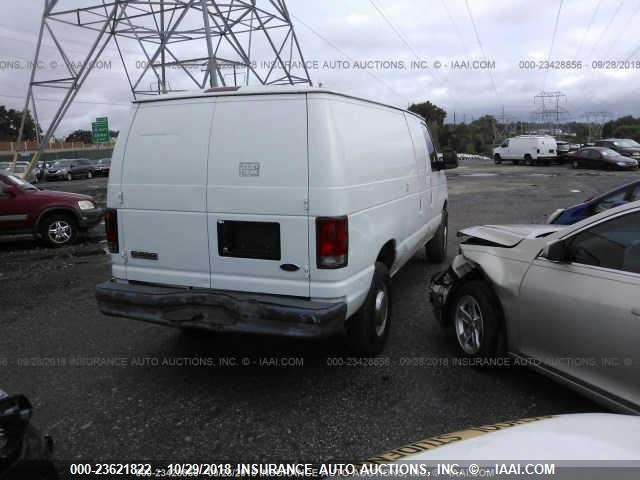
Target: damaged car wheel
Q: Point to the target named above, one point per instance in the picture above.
(476, 320)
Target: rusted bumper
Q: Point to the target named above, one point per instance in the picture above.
(221, 310)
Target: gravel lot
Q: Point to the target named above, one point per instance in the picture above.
(51, 336)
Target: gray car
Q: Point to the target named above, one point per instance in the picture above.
(563, 300)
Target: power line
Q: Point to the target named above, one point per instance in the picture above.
(380, 11)
(625, 30)
(553, 40)
(484, 56)
(393, 27)
(345, 54)
(57, 100)
(455, 25)
(606, 29)
(584, 35)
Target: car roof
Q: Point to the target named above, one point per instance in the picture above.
(569, 230)
(261, 90)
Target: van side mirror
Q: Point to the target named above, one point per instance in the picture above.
(556, 251)
(504, 145)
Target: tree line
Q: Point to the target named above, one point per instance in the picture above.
(10, 126)
(480, 135)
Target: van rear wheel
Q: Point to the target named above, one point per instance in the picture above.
(436, 249)
(369, 327)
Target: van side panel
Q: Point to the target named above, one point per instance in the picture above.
(258, 172)
(361, 164)
(114, 187)
(162, 214)
(426, 221)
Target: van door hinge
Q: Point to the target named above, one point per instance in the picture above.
(306, 204)
(121, 197)
(306, 271)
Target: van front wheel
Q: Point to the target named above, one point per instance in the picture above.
(369, 326)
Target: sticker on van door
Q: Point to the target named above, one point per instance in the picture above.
(249, 169)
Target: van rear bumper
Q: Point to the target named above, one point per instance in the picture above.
(221, 310)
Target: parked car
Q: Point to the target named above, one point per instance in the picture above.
(527, 149)
(594, 436)
(102, 167)
(24, 452)
(601, 158)
(69, 169)
(55, 217)
(560, 299)
(295, 230)
(624, 146)
(20, 170)
(613, 198)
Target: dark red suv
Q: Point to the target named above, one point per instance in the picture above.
(56, 217)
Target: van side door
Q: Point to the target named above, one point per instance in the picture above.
(161, 201)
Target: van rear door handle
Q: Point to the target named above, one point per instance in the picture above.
(636, 312)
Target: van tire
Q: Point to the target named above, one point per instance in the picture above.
(367, 331)
(497, 159)
(527, 159)
(516, 162)
(436, 249)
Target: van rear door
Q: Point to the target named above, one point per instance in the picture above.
(257, 195)
(161, 199)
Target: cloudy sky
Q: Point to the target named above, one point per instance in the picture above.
(409, 46)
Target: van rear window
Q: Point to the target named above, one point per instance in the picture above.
(258, 240)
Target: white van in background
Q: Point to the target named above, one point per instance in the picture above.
(527, 149)
(275, 210)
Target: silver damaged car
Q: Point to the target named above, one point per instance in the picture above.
(563, 300)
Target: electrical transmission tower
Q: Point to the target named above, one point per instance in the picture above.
(595, 122)
(549, 110)
(179, 44)
(503, 127)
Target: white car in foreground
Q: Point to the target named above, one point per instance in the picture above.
(574, 437)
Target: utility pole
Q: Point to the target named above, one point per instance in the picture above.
(182, 43)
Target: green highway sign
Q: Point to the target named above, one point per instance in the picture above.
(100, 130)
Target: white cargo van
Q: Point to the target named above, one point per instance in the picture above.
(527, 149)
(275, 210)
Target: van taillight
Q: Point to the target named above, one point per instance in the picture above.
(332, 242)
(111, 226)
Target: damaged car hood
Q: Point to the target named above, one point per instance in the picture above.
(509, 235)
